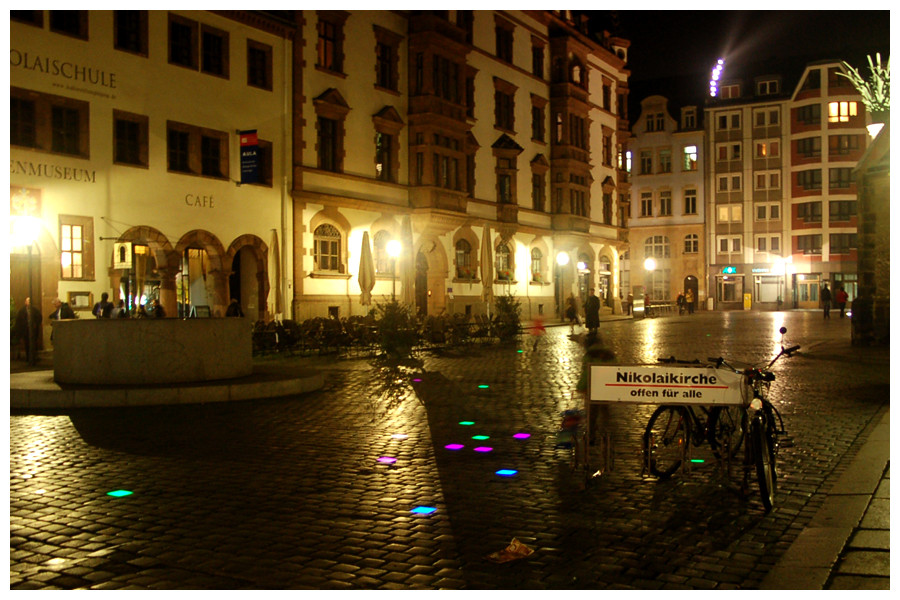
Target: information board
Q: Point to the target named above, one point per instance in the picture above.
(666, 385)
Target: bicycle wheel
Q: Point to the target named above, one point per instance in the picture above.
(665, 440)
(762, 456)
(726, 424)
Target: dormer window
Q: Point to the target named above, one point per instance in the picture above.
(730, 91)
(767, 87)
(689, 118)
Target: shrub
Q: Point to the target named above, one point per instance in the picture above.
(396, 329)
(507, 317)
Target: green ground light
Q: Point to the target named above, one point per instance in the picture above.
(119, 493)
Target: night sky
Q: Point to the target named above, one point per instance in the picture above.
(673, 43)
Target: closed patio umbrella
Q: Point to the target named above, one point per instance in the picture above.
(487, 268)
(274, 302)
(407, 263)
(366, 275)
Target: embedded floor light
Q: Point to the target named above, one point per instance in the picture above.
(521, 436)
(454, 446)
(481, 437)
(119, 493)
(423, 510)
(483, 449)
(467, 422)
(388, 460)
(506, 472)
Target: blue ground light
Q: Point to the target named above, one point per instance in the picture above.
(423, 510)
(506, 472)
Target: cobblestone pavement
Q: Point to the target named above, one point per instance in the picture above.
(290, 493)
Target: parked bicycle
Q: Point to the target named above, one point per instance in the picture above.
(672, 428)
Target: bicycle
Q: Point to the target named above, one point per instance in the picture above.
(672, 428)
(765, 423)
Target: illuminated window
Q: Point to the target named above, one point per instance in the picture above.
(75, 240)
(327, 249)
(840, 112)
(690, 158)
(464, 268)
(379, 253)
(768, 148)
(729, 213)
(537, 264)
(503, 263)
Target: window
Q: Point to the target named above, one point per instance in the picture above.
(841, 210)
(384, 146)
(728, 183)
(211, 151)
(690, 201)
(31, 17)
(607, 151)
(265, 160)
(728, 244)
(537, 264)
(464, 269)
(70, 22)
(656, 122)
(327, 249)
(729, 151)
(767, 87)
(727, 121)
(691, 243)
(768, 148)
(330, 39)
(729, 213)
(214, 51)
(76, 238)
(767, 180)
(646, 162)
(328, 144)
(809, 147)
(504, 35)
(259, 65)
(130, 141)
(577, 136)
(768, 243)
(49, 123)
(842, 243)
(646, 204)
(607, 97)
(537, 121)
(656, 246)
(730, 91)
(387, 59)
(537, 191)
(810, 212)
(197, 150)
(689, 117)
(537, 60)
(812, 81)
(503, 264)
(809, 115)
(809, 244)
(764, 117)
(183, 41)
(445, 78)
(130, 31)
(665, 203)
(840, 112)
(504, 188)
(810, 179)
(840, 178)
(690, 158)
(665, 161)
(383, 262)
(768, 212)
(842, 144)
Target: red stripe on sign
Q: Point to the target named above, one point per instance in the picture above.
(692, 387)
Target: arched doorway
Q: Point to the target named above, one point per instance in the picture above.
(243, 283)
(421, 284)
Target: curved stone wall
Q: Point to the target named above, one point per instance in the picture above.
(151, 351)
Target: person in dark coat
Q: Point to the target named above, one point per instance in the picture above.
(158, 311)
(104, 308)
(826, 301)
(63, 310)
(234, 309)
(28, 328)
(592, 312)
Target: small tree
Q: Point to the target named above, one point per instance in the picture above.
(507, 317)
(876, 90)
(396, 329)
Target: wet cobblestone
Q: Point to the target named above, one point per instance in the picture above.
(289, 494)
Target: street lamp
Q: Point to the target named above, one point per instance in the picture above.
(393, 250)
(25, 233)
(649, 267)
(562, 259)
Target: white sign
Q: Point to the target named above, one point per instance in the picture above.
(666, 385)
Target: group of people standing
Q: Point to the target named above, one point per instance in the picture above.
(840, 299)
(591, 312)
(685, 302)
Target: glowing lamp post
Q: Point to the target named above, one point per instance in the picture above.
(25, 233)
(393, 250)
(562, 259)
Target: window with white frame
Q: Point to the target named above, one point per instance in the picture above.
(728, 244)
(646, 162)
(691, 243)
(764, 117)
(768, 243)
(767, 180)
(656, 246)
(646, 204)
(665, 160)
(690, 201)
(727, 121)
(768, 211)
(767, 87)
(729, 151)
(730, 91)
(840, 112)
(768, 148)
(729, 213)
(665, 203)
(728, 183)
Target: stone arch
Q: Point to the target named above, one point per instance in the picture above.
(331, 215)
(215, 251)
(465, 233)
(429, 246)
(547, 262)
(259, 250)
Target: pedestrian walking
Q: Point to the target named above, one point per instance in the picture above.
(592, 312)
(28, 329)
(103, 309)
(826, 301)
(689, 300)
(571, 313)
(679, 301)
(840, 299)
(537, 330)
